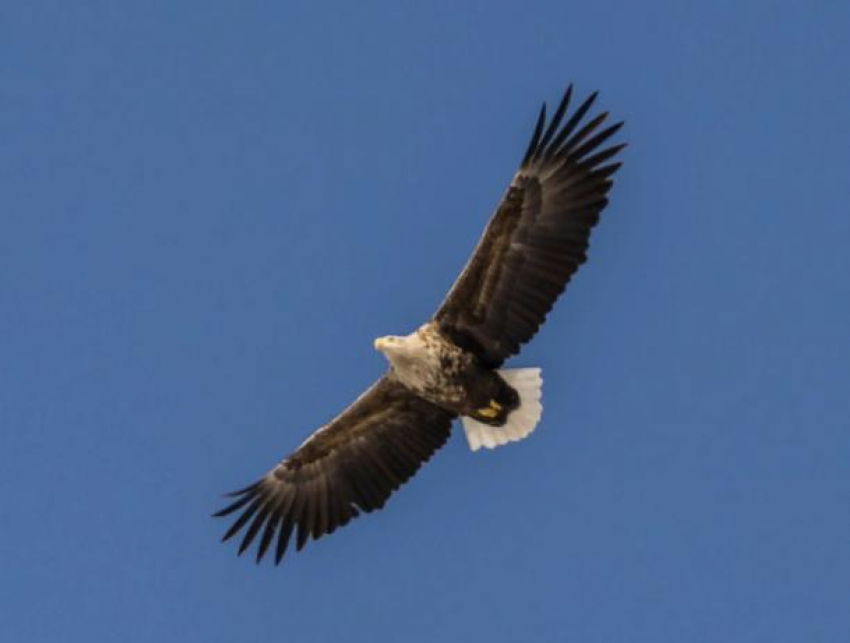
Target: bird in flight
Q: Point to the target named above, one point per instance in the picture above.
(450, 366)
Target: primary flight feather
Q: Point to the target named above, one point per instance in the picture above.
(450, 366)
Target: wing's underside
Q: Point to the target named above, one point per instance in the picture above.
(352, 464)
(537, 238)
(534, 243)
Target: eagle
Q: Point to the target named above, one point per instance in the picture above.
(451, 366)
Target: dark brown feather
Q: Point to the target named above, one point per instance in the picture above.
(352, 464)
(537, 238)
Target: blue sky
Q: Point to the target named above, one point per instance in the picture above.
(209, 210)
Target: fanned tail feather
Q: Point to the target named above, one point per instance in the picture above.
(521, 422)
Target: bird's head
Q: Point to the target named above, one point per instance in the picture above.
(400, 349)
(389, 344)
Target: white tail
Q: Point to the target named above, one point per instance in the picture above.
(521, 422)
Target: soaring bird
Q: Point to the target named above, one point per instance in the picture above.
(451, 366)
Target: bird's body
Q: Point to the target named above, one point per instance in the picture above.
(437, 370)
(452, 365)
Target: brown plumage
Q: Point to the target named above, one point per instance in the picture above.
(534, 243)
(536, 240)
(351, 464)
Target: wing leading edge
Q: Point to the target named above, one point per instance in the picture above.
(351, 465)
(537, 238)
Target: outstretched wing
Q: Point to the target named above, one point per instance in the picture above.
(350, 465)
(537, 238)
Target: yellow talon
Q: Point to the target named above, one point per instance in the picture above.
(495, 405)
(488, 412)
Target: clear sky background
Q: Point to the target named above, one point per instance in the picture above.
(209, 210)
